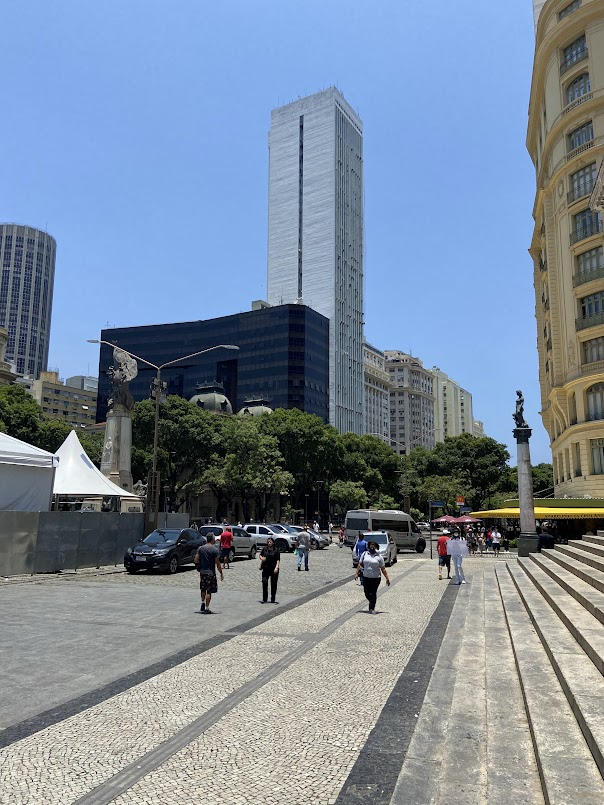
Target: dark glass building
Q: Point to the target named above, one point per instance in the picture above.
(283, 357)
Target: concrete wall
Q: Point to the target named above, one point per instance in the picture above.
(45, 542)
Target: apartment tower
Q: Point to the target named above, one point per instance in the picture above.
(315, 233)
(566, 142)
(453, 413)
(377, 393)
(27, 258)
(411, 403)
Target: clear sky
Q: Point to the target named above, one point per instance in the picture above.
(135, 132)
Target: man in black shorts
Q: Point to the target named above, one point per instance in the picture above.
(207, 560)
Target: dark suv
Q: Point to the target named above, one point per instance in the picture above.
(166, 548)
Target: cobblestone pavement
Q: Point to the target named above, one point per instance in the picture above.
(277, 714)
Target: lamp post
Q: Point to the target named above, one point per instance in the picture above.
(305, 510)
(153, 486)
(166, 490)
(318, 490)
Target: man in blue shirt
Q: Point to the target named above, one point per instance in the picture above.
(359, 549)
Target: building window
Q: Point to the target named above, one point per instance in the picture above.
(590, 261)
(573, 53)
(580, 86)
(569, 9)
(580, 136)
(595, 402)
(585, 224)
(582, 182)
(597, 456)
(591, 305)
(593, 350)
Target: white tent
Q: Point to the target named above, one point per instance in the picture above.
(77, 475)
(26, 476)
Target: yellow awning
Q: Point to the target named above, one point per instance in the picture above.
(545, 513)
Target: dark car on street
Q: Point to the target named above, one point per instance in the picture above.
(165, 548)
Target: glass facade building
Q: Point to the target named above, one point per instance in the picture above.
(27, 266)
(283, 357)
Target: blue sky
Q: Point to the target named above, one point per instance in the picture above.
(135, 132)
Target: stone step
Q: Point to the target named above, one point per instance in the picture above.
(582, 556)
(598, 541)
(583, 570)
(580, 623)
(600, 533)
(584, 593)
(567, 765)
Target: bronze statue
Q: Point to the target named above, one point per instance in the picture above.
(519, 415)
(121, 374)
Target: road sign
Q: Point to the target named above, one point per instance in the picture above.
(437, 504)
(465, 509)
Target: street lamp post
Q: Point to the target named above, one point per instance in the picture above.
(318, 490)
(305, 510)
(153, 490)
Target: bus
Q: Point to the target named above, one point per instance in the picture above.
(400, 525)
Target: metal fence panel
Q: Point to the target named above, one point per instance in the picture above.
(131, 530)
(58, 537)
(90, 531)
(110, 524)
(18, 533)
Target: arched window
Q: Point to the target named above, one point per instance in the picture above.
(595, 401)
(580, 86)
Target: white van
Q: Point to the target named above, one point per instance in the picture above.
(401, 527)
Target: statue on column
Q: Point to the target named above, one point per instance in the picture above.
(116, 461)
(518, 416)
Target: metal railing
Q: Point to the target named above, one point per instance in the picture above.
(591, 226)
(580, 192)
(589, 321)
(588, 276)
(579, 150)
(594, 416)
(576, 58)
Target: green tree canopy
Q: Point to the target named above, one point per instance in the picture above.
(20, 414)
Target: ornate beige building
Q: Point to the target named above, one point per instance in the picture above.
(566, 143)
(377, 392)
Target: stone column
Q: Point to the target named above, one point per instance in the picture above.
(527, 541)
(116, 460)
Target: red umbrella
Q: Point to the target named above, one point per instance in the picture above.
(465, 519)
(446, 518)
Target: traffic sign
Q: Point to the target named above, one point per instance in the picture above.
(437, 504)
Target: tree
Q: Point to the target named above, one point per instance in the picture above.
(348, 495)
(20, 414)
(52, 433)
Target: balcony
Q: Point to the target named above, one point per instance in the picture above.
(594, 416)
(589, 226)
(588, 276)
(576, 58)
(595, 367)
(580, 192)
(579, 150)
(577, 102)
(589, 321)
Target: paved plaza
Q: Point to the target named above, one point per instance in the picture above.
(118, 691)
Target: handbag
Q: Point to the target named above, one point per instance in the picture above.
(295, 551)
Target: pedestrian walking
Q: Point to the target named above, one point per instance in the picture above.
(341, 536)
(489, 540)
(481, 543)
(315, 527)
(505, 543)
(372, 566)
(359, 549)
(496, 541)
(444, 560)
(207, 560)
(330, 532)
(226, 543)
(303, 549)
(457, 548)
(270, 559)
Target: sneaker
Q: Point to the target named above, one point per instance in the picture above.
(274, 602)
(464, 582)
(209, 612)
(202, 608)
(299, 568)
(263, 602)
(306, 569)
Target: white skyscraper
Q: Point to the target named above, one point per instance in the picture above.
(315, 233)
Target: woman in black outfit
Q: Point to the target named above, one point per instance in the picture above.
(269, 564)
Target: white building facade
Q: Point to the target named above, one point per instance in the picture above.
(377, 393)
(411, 403)
(315, 233)
(453, 414)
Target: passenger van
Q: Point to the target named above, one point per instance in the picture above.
(401, 527)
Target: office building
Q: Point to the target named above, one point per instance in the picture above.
(6, 375)
(315, 233)
(283, 358)
(411, 403)
(66, 403)
(377, 393)
(453, 413)
(83, 382)
(565, 139)
(478, 428)
(27, 259)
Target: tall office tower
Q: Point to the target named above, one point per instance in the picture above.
(411, 403)
(315, 233)
(377, 393)
(453, 413)
(566, 142)
(27, 258)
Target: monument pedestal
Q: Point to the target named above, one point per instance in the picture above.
(116, 461)
(527, 541)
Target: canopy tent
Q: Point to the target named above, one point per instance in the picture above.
(465, 519)
(77, 475)
(446, 518)
(26, 476)
(545, 513)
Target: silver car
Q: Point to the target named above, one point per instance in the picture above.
(319, 541)
(244, 544)
(284, 541)
(386, 544)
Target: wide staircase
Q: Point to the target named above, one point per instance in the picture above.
(554, 610)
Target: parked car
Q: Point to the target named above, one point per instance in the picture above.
(244, 544)
(423, 526)
(284, 540)
(387, 547)
(319, 541)
(166, 548)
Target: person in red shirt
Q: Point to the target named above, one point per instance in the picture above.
(226, 543)
(444, 560)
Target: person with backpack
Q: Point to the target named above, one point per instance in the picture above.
(372, 566)
(359, 549)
